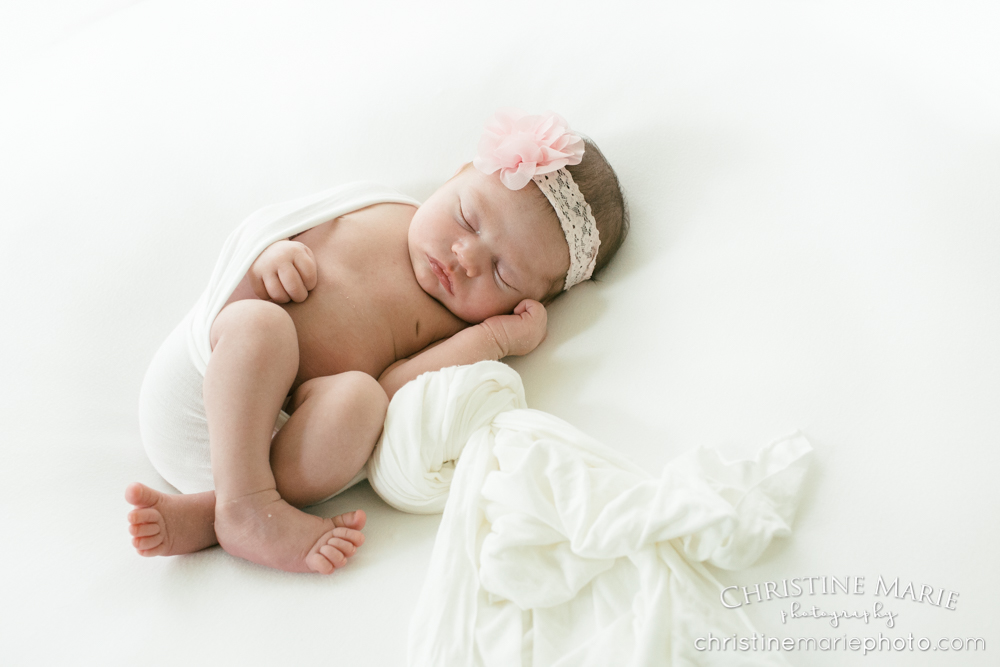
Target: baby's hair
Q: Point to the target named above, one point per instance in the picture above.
(599, 185)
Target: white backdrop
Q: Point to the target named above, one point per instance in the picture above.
(815, 193)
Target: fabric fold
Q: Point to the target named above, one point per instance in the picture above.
(428, 424)
(556, 550)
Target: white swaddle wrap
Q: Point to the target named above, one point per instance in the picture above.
(556, 550)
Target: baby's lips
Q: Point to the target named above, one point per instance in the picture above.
(441, 274)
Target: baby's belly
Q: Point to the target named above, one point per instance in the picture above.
(339, 330)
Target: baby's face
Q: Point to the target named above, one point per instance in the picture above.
(480, 248)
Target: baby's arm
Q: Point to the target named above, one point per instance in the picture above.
(285, 271)
(494, 338)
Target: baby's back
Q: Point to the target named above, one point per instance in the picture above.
(367, 310)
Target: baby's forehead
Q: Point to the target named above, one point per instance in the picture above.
(526, 214)
(490, 197)
(487, 200)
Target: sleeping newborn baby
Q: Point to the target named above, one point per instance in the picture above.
(272, 393)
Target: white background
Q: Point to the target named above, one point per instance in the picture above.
(815, 245)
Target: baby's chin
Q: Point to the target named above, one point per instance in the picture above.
(461, 313)
(469, 316)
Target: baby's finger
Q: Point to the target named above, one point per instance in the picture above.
(275, 291)
(530, 306)
(259, 288)
(305, 264)
(292, 282)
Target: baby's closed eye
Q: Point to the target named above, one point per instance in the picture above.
(503, 284)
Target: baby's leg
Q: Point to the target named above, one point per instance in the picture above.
(254, 361)
(335, 424)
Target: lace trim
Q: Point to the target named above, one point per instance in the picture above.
(577, 223)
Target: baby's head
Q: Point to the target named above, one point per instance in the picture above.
(491, 236)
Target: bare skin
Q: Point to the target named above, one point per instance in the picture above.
(387, 292)
(166, 524)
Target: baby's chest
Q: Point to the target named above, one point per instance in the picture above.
(363, 317)
(343, 326)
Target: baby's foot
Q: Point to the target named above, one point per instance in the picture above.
(165, 524)
(263, 528)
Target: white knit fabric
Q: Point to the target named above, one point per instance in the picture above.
(556, 550)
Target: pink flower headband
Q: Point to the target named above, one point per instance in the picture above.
(538, 148)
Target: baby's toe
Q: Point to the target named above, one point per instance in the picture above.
(334, 555)
(147, 543)
(343, 546)
(355, 537)
(144, 529)
(354, 520)
(317, 562)
(141, 495)
(145, 515)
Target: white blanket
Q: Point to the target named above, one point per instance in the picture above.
(554, 549)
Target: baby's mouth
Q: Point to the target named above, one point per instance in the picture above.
(442, 275)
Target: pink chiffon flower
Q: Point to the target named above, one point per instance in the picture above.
(523, 146)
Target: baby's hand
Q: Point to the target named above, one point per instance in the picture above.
(284, 272)
(521, 332)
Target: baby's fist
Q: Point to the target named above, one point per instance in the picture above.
(285, 271)
(520, 332)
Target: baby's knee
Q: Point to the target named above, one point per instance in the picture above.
(262, 320)
(365, 394)
(351, 394)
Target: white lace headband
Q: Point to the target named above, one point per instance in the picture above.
(538, 148)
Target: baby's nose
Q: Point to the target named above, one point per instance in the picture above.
(469, 258)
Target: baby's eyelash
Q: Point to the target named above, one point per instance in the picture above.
(464, 224)
(500, 280)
